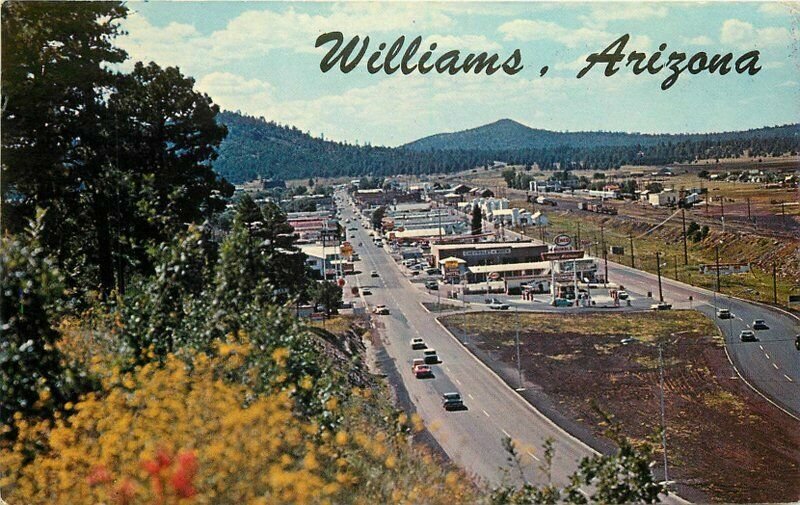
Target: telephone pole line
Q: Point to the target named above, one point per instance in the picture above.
(658, 270)
(630, 236)
(685, 250)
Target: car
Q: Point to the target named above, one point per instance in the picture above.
(416, 362)
(432, 271)
(496, 304)
(366, 292)
(797, 342)
(421, 371)
(724, 314)
(627, 340)
(353, 229)
(452, 401)
(414, 273)
(430, 356)
(562, 302)
(623, 295)
(418, 343)
(374, 273)
(759, 324)
(661, 306)
(381, 310)
(432, 285)
(748, 336)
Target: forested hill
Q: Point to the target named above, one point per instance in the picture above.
(256, 147)
(507, 134)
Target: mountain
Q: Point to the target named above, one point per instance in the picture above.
(507, 134)
(257, 147)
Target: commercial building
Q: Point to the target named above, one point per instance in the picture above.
(488, 253)
(321, 260)
(665, 198)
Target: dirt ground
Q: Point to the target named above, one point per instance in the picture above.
(723, 440)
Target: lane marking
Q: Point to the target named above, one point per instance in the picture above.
(472, 398)
(761, 347)
(505, 433)
(457, 381)
(767, 355)
(533, 456)
(486, 413)
(788, 378)
(776, 366)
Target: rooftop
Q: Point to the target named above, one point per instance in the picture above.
(510, 267)
(485, 245)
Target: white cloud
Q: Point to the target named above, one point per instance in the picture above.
(743, 35)
(700, 40)
(234, 92)
(529, 29)
(463, 42)
(775, 8)
(628, 11)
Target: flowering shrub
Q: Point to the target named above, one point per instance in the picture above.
(179, 432)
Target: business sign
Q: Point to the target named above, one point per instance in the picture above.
(494, 276)
(487, 252)
(562, 240)
(562, 255)
(564, 277)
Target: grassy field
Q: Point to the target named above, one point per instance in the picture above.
(723, 440)
(755, 285)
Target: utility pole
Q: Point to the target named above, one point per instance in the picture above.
(716, 260)
(519, 363)
(658, 270)
(464, 302)
(578, 242)
(774, 284)
(748, 209)
(663, 417)
(685, 250)
(630, 236)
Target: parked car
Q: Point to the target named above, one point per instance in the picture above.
(432, 271)
(496, 304)
(759, 324)
(432, 285)
(724, 314)
(365, 291)
(418, 343)
(452, 401)
(421, 371)
(374, 273)
(797, 342)
(661, 306)
(562, 302)
(623, 295)
(430, 356)
(381, 310)
(416, 362)
(748, 336)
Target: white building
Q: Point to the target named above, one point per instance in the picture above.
(667, 197)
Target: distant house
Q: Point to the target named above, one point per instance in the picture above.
(665, 198)
(461, 189)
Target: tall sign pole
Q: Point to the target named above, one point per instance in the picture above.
(658, 270)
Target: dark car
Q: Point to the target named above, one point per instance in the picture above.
(452, 401)
(797, 342)
(433, 285)
(759, 324)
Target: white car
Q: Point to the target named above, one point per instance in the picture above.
(496, 304)
(418, 343)
(623, 295)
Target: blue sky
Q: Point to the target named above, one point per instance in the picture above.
(259, 57)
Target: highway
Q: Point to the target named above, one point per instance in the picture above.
(771, 366)
(472, 437)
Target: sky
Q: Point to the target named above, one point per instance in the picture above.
(259, 58)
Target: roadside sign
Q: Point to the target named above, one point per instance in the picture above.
(562, 255)
(562, 240)
(494, 276)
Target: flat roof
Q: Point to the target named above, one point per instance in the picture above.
(510, 267)
(422, 232)
(486, 245)
(315, 250)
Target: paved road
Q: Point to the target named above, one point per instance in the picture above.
(771, 366)
(471, 438)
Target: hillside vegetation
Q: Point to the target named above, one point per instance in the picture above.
(257, 147)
